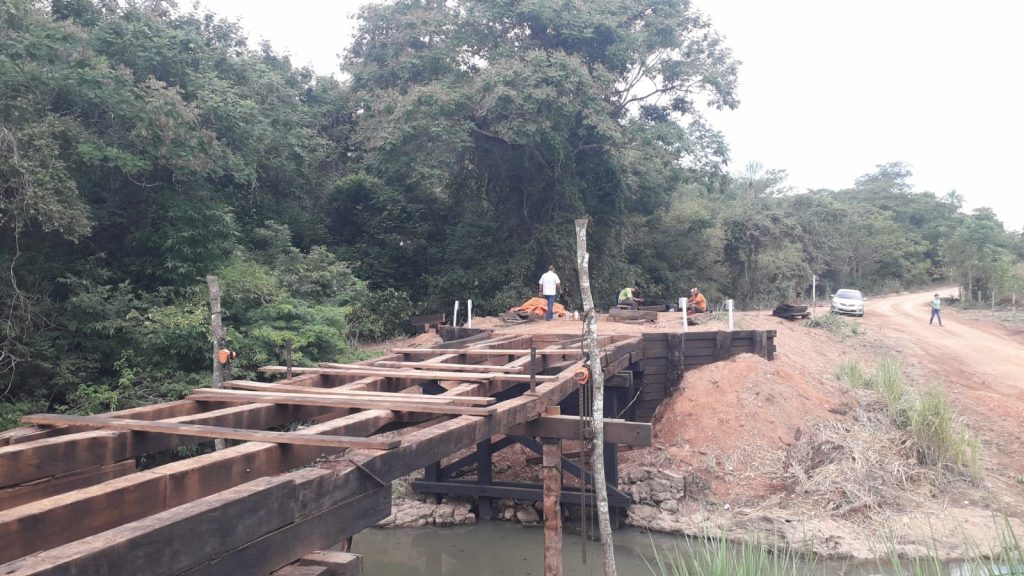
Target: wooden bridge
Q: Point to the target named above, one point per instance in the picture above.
(82, 495)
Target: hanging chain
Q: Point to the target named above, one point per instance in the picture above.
(586, 445)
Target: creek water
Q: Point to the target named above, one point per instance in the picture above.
(507, 549)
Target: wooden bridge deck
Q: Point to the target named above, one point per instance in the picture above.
(73, 499)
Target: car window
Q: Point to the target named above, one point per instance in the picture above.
(850, 294)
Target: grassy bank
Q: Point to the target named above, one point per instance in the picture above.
(940, 440)
(720, 557)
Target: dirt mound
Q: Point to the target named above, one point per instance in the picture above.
(734, 422)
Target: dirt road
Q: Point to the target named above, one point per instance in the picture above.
(980, 364)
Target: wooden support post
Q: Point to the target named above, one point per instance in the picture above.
(552, 465)
(432, 473)
(484, 477)
(723, 345)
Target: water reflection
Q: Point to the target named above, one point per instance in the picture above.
(505, 549)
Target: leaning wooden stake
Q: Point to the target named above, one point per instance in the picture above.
(597, 380)
(552, 467)
(217, 335)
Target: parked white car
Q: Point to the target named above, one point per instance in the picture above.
(847, 301)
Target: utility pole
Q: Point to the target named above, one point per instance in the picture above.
(597, 380)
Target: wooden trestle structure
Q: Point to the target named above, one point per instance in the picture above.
(75, 500)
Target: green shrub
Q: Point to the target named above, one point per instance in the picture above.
(833, 323)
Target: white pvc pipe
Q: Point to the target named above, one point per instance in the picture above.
(455, 315)
(686, 322)
(728, 304)
(814, 289)
(469, 313)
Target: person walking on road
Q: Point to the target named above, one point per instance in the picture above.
(936, 310)
(550, 288)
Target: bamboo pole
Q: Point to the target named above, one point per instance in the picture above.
(597, 379)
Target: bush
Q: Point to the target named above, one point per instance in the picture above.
(833, 323)
(379, 315)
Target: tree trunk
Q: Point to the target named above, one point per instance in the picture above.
(217, 335)
(597, 379)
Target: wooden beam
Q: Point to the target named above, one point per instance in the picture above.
(357, 370)
(299, 570)
(568, 428)
(50, 456)
(340, 563)
(51, 522)
(339, 402)
(575, 352)
(446, 366)
(200, 431)
(22, 494)
(359, 394)
(408, 374)
(616, 314)
(211, 527)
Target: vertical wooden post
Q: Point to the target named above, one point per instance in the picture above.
(484, 477)
(552, 465)
(219, 338)
(723, 345)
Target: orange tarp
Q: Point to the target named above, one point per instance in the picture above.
(539, 306)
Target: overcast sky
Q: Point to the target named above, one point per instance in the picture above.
(828, 89)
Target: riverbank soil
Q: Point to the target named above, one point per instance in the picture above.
(783, 450)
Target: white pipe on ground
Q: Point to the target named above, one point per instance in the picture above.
(728, 304)
(455, 315)
(469, 313)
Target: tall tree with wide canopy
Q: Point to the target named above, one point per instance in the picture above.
(526, 114)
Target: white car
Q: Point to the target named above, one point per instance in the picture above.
(848, 301)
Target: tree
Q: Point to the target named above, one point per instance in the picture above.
(523, 114)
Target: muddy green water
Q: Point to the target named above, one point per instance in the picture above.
(506, 549)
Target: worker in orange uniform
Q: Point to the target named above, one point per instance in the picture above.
(697, 302)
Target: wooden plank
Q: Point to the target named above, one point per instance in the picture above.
(325, 400)
(447, 366)
(200, 431)
(364, 370)
(275, 387)
(568, 428)
(486, 351)
(46, 487)
(360, 370)
(51, 522)
(50, 456)
(340, 563)
(198, 531)
(299, 570)
(616, 314)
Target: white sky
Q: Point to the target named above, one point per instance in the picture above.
(828, 89)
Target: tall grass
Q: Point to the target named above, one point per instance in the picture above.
(834, 323)
(719, 557)
(941, 441)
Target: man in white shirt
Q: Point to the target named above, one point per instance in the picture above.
(550, 288)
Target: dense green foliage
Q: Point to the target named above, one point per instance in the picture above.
(143, 147)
